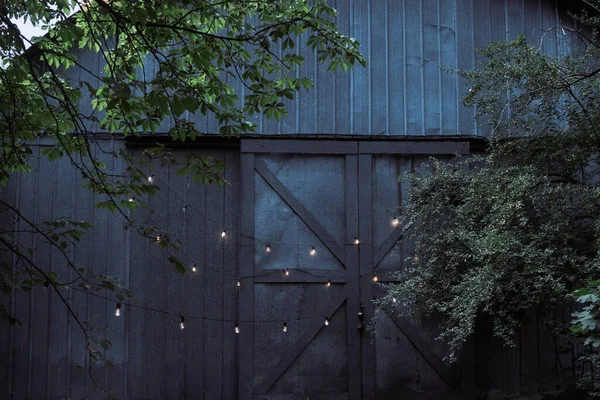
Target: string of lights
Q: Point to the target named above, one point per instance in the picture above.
(119, 309)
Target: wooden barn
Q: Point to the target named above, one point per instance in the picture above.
(295, 241)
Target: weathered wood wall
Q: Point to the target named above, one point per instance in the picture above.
(403, 90)
(152, 357)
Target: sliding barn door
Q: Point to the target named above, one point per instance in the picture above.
(316, 228)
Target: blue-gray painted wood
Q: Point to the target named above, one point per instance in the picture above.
(403, 90)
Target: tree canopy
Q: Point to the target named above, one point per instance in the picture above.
(197, 49)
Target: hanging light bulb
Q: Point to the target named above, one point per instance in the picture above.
(313, 251)
(326, 321)
(375, 279)
(194, 268)
(118, 310)
(394, 300)
(131, 199)
(285, 326)
(223, 234)
(184, 209)
(286, 272)
(395, 221)
(237, 328)
(328, 284)
(181, 323)
(158, 237)
(239, 283)
(356, 241)
(268, 248)
(151, 178)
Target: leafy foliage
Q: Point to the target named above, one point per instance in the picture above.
(163, 60)
(514, 229)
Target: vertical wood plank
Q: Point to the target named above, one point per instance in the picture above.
(465, 56)
(431, 68)
(396, 67)
(378, 67)
(361, 85)
(365, 163)
(246, 291)
(414, 67)
(353, 279)
(448, 59)
(213, 289)
(230, 271)
(342, 112)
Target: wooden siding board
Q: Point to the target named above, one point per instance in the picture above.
(449, 61)
(196, 227)
(246, 291)
(213, 289)
(307, 100)
(396, 68)
(230, 272)
(342, 107)
(365, 205)
(118, 260)
(361, 82)
(174, 296)
(378, 68)
(431, 68)
(414, 68)
(352, 272)
(465, 60)
(298, 146)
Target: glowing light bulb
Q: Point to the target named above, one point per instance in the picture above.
(237, 328)
(285, 326)
(328, 284)
(184, 209)
(268, 248)
(394, 300)
(181, 323)
(131, 199)
(223, 234)
(356, 241)
(375, 279)
(194, 268)
(118, 310)
(158, 237)
(151, 178)
(313, 251)
(326, 321)
(395, 221)
(239, 283)
(286, 272)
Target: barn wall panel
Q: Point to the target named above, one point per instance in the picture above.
(403, 90)
(151, 357)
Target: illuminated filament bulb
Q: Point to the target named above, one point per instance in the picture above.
(118, 310)
(194, 269)
(223, 234)
(326, 321)
(286, 272)
(158, 237)
(151, 178)
(237, 328)
(184, 209)
(131, 199)
(268, 248)
(356, 241)
(375, 279)
(395, 221)
(285, 326)
(239, 283)
(328, 283)
(313, 251)
(394, 300)
(181, 323)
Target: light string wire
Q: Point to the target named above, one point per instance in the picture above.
(268, 244)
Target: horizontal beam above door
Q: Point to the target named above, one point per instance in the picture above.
(319, 146)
